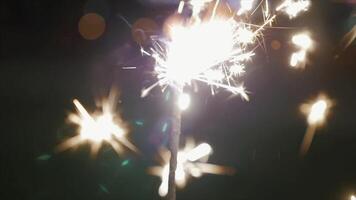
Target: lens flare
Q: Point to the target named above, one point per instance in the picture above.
(98, 128)
(191, 161)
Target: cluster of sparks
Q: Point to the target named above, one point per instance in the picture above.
(191, 161)
(98, 128)
(293, 7)
(216, 49)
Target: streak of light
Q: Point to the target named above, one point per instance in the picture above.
(316, 112)
(180, 7)
(245, 6)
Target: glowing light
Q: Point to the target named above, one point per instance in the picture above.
(293, 7)
(213, 51)
(198, 6)
(245, 36)
(297, 58)
(184, 101)
(199, 152)
(191, 161)
(316, 112)
(246, 5)
(353, 197)
(304, 42)
(98, 128)
(180, 7)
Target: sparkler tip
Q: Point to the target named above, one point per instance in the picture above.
(317, 110)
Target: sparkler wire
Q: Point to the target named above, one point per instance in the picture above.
(174, 145)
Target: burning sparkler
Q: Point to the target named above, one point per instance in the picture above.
(191, 163)
(293, 7)
(98, 128)
(213, 50)
(316, 114)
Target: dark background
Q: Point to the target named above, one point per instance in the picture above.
(46, 63)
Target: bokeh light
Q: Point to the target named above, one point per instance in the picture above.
(276, 45)
(91, 26)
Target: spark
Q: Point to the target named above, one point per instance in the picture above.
(348, 38)
(304, 43)
(316, 112)
(98, 128)
(184, 101)
(210, 51)
(198, 6)
(245, 6)
(180, 7)
(266, 11)
(191, 162)
(293, 7)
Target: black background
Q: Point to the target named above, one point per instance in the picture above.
(45, 64)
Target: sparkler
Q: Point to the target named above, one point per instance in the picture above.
(191, 162)
(98, 128)
(213, 50)
(316, 114)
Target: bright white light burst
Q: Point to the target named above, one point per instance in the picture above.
(214, 51)
(316, 113)
(304, 43)
(98, 128)
(293, 7)
(191, 161)
(245, 6)
(184, 101)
